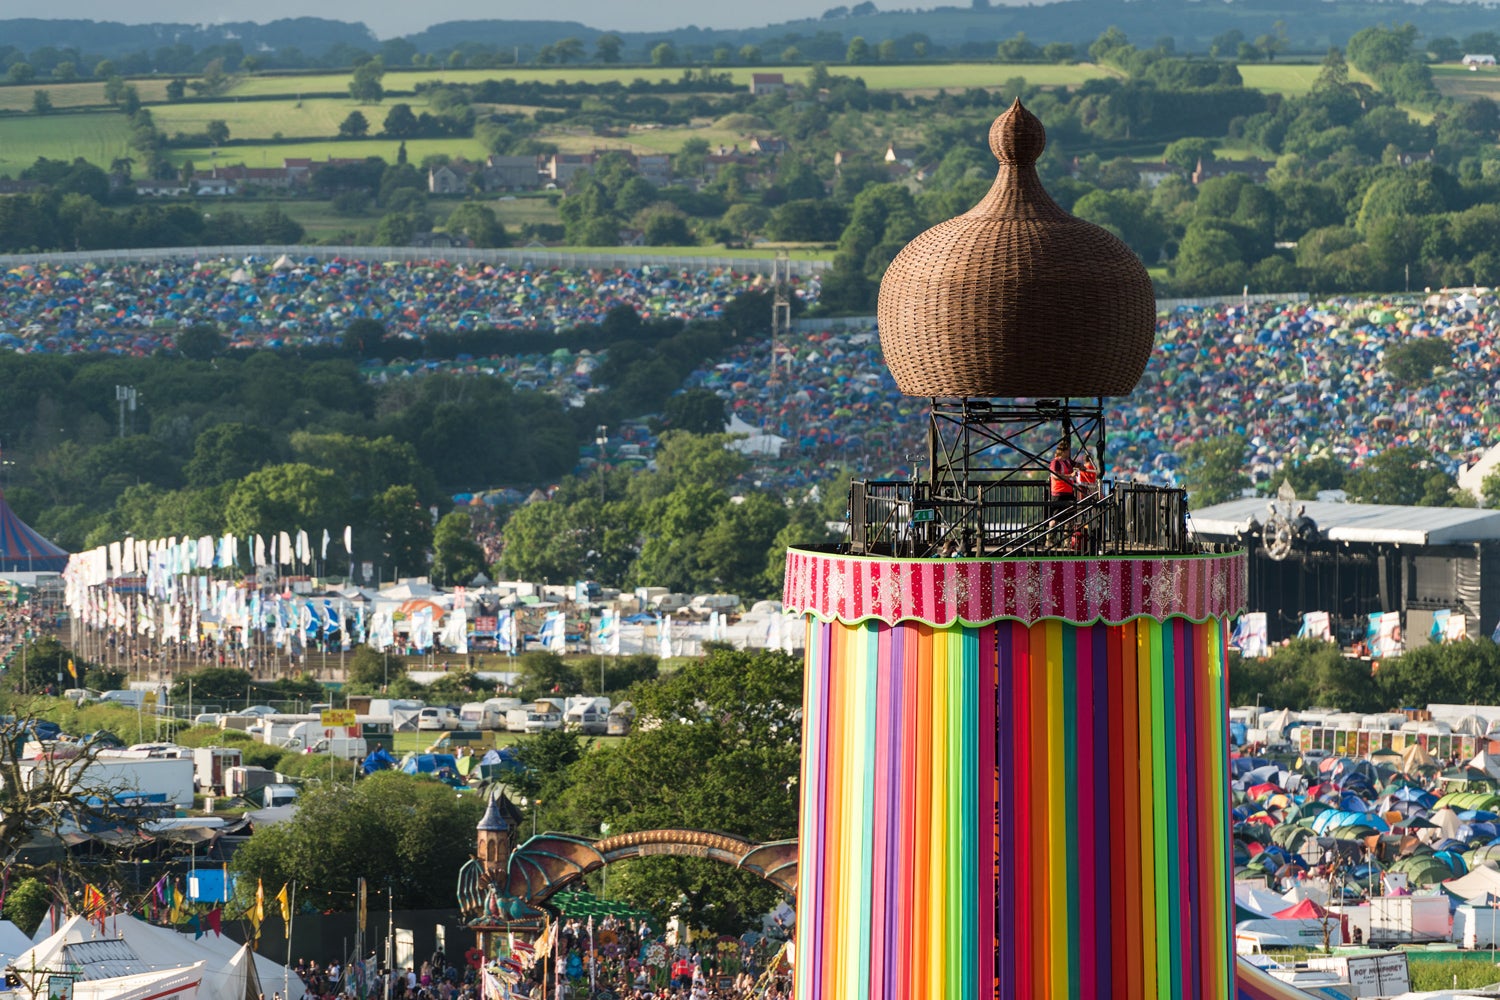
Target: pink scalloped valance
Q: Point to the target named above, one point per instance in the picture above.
(979, 591)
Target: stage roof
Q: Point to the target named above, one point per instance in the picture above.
(1360, 522)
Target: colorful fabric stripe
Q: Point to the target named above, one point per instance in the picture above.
(1015, 810)
(832, 586)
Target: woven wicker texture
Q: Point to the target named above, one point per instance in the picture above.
(1016, 297)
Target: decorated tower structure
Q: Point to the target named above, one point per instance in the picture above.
(1015, 751)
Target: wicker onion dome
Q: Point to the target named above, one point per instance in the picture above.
(1016, 297)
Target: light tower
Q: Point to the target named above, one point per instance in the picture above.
(1015, 745)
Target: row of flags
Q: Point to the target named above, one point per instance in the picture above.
(161, 557)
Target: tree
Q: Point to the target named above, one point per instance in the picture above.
(400, 123)
(858, 52)
(216, 131)
(695, 411)
(403, 528)
(403, 831)
(456, 557)
(1404, 475)
(569, 49)
(478, 223)
(544, 671)
(1212, 470)
(664, 54)
(733, 551)
(727, 720)
(224, 453)
(371, 669)
(27, 903)
(279, 497)
(365, 87)
(354, 126)
(220, 684)
(20, 72)
(200, 342)
(1416, 361)
(607, 47)
(176, 89)
(41, 102)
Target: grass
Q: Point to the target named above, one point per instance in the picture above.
(17, 97)
(1464, 84)
(98, 138)
(314, 118)
(1291, 79)
(921, 76)
(272, 153)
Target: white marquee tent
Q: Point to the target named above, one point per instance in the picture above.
(133, 960)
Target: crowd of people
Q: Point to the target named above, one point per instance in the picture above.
(136, 307)
(633, 963)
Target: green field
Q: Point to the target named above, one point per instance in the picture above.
(922, 76)
(271, 154)
(98, 138)
(315, 118)
(74, 95)
(1291, 79)
(1465, 84)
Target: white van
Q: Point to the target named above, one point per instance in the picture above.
(478, 715)
(537, 722)
(515, 720)
(437, 717)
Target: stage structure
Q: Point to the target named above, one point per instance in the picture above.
(1015, 752)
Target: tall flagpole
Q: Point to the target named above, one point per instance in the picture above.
(286, 970)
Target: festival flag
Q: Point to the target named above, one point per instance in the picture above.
(364, 904)
(286, 904)
(196, 926)
(349, 539)
(326, 536)
(94, 905)
(72, 669)
(215, 920)
(260, 903)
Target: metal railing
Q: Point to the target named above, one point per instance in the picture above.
(1013, 518)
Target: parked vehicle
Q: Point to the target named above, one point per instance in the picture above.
(540, 721)
(482, 715)
(436, 717)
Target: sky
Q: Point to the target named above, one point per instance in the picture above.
(388, 18)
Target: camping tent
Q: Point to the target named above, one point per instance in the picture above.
(130, 955)
(22, 550)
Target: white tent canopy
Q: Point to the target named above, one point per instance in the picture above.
(130, 954)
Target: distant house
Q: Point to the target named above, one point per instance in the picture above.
(1479, 59)
(210, 185)
(561, 168)
(767, 145)
(1408, 159)
(714, 162)
(511, 173)
(160, 189)
(449, 178)
(1255, 170)
(433, 240)
(904, 155)
(655, 168)
(1152, 174)
(762, 84)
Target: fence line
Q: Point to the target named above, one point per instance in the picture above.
(528, 256)
(1166, 305)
